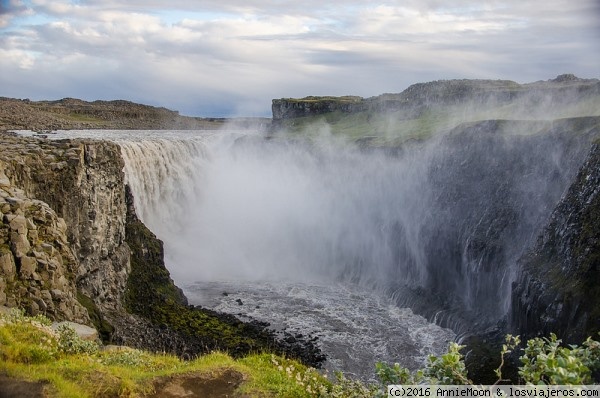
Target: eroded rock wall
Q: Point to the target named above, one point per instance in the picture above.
(37, 266)
(558, 286)
(82, 181)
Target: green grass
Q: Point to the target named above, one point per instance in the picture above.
(81, 117)
(30, 351)
(397, 126)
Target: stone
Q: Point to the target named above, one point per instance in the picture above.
(33, 235)
(19, 244)
(41, 304)
(8, 218)
(48, 248)
(7, 266)
(30, 224)
(46, 295)
(19, 224)
(83, 331)
(44, 275)
(28, 267)
(57, 166)
(34, 309)
(4, 181)
(61, 225)
(14, 203)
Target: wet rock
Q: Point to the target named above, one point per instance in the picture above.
(557, 288)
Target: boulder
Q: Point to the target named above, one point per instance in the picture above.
(83, 331)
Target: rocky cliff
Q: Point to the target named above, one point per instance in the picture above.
(288, 108)
(83, 182)
(37, 266)
(558, 286)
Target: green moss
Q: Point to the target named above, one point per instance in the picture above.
(104, 328)
(4, 249)
(82, 117)
(30, 353)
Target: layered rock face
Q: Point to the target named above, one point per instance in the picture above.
(558, 285)
(37, 266)
(286, 108)
(83, 182)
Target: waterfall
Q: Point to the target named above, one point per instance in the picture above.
(164, 175)
(438, 225)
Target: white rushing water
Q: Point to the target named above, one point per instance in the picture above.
(304, 237)
(356, 328)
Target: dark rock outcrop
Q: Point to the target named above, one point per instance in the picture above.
(488, 193)
(558, 286)
(288, 108)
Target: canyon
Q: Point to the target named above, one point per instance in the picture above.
(474, 203)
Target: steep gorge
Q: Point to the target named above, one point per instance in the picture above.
(445, 224)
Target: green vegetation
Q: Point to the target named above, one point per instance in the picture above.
(406, 119)
(311, 98)
(104, 328)
(31, 350)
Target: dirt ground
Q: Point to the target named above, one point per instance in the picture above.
(15, 388)
(197, 385)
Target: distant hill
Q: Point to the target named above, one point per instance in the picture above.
(71, 113)
(426, 108)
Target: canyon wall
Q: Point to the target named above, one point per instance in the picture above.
(558, 285)
(83, 182)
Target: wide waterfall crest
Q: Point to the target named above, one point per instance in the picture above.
(437, 225)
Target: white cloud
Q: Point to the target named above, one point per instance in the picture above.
(204, 57)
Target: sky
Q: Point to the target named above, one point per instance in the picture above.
(232, 57)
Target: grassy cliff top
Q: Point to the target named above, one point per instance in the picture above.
(425, 109)
(34, 358)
